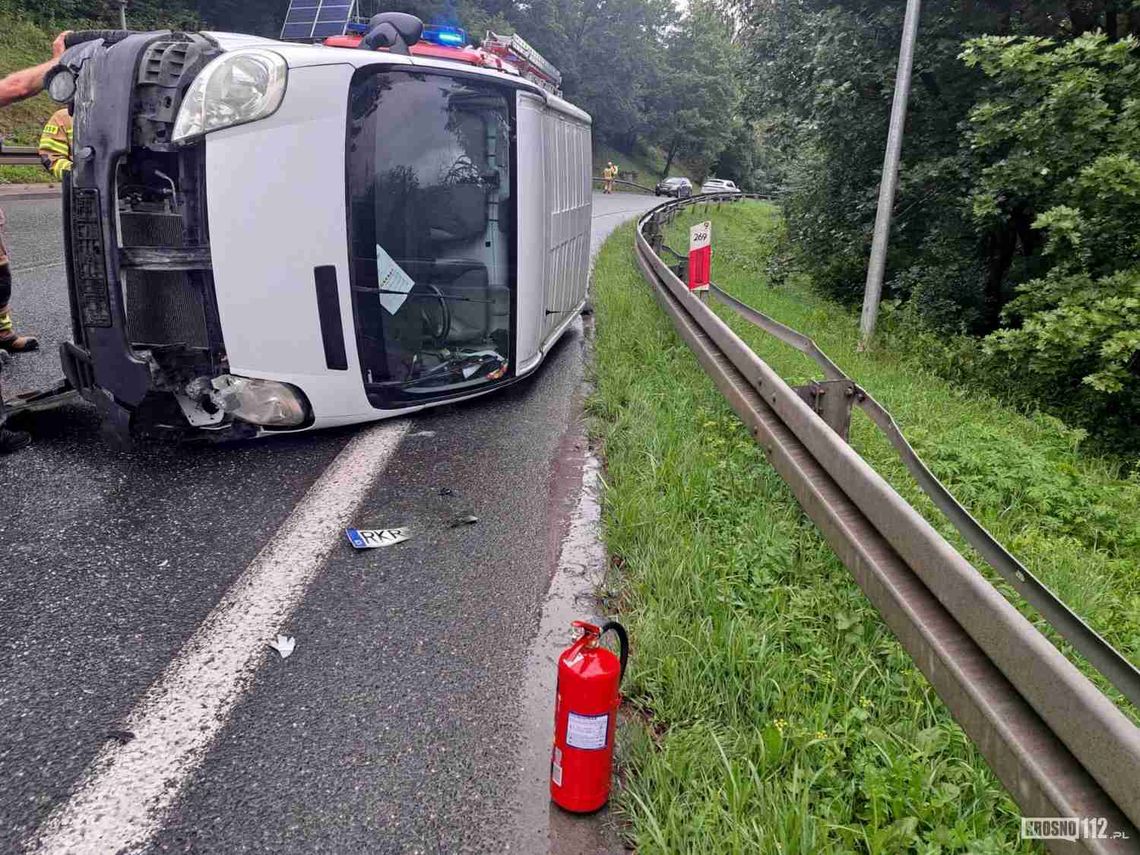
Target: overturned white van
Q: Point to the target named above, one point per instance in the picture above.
(265, 236)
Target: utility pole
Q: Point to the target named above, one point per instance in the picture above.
(890, 179)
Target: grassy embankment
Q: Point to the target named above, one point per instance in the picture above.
(780, 714)
(23, 44)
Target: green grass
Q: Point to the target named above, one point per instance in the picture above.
(777, 712)
(26, 175)
(1073, 518)
(23, 44)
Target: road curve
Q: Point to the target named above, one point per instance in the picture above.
(394, 725)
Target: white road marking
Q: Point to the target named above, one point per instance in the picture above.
(127, 790)
(32, 268)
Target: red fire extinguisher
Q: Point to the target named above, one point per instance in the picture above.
(585, 716)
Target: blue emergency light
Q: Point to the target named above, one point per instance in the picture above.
(446, 36)
(355, 27)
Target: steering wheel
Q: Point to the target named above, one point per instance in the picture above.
(435, 315)
(463, 171)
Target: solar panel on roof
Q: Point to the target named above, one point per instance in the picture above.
(307, 20)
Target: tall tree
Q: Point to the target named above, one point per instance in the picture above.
(608, 52)
(694, 105)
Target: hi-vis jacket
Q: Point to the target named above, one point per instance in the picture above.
(55, 143)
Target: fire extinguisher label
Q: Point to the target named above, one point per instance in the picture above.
(587, 732)
(556, 766)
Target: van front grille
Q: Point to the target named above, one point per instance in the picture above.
(164, 307)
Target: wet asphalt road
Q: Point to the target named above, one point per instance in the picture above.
(394, 726)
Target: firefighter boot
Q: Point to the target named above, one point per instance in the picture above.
(10, 340)
(13, 440)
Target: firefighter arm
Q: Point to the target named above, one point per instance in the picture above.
(56, 164)
(23, 84)
(55, 148)
(30, 81)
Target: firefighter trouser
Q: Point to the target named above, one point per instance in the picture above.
(5, 296)
(3, 248)
(5, 287)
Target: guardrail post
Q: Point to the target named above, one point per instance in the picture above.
(681, 269)
(832, 401)
(653, 233)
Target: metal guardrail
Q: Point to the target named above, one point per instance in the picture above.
(19, 155)
(599, 180)
(1121, 673)
(703, 197)
(1060, 747)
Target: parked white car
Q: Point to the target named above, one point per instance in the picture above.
(719, 185)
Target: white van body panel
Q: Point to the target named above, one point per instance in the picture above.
(566, 160)
(532, 222)
(276, 209)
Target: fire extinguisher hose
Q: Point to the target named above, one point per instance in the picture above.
(623, 643)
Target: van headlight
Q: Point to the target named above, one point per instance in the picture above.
(261, 402)
(237, 87)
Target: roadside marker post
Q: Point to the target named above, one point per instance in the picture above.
(700, 258)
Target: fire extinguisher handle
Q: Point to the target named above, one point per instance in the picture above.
(623, 643)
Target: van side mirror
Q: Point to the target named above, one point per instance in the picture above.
(393, 30)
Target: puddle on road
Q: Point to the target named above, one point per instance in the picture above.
(542, 827)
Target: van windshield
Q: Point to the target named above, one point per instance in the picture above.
(431, 233)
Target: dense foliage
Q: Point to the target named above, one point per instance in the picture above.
(1061, 137)
(1016, 218)
(648, 74)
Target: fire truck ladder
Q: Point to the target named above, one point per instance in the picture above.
(530, 63)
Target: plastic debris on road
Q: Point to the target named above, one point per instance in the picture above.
(284, 645)
(372, 538)
(470, 519)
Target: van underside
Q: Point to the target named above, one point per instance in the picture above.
(145, 318)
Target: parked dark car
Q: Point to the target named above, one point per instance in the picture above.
(682, 188)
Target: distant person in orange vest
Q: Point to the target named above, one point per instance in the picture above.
(609, 174)
(55, 143)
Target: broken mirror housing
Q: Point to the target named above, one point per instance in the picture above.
(60, 84)
(261, 402)
(234, 89)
